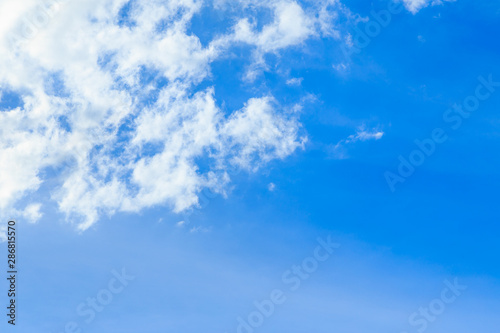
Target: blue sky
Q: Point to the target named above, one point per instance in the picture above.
(204, 147)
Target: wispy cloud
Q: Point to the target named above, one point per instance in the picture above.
(416, 5)
(339, 151)
(294, 81)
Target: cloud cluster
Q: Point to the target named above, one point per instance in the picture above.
(95, 133)
(109, 105)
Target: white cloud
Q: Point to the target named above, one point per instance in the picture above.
(78, 73)
(259, 135)
(271, 187)
(294, 81)
(291, 26)
(339, 151)
(342, 67)
(32, 212)
(416, 5)
(365, 135)
(199, 229)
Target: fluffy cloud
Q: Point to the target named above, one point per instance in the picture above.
(290, 27)
(81, 128)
